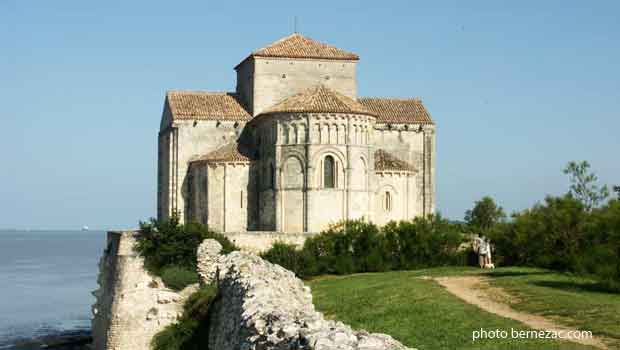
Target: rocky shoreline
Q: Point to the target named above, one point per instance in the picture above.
(68, 340)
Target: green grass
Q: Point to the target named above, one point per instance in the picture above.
(177, 278)
(422, 314)
(571, 300)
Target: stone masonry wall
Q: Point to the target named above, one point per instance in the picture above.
(131, 305)
(259, 241)
(264, 306)
(260, 305)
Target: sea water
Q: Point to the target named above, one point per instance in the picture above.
(46, 281)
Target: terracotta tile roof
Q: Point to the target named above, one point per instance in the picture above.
(204, 105)
(385, 161)
(319, 99)
(393, 110)
(299, 46)
(226, 153)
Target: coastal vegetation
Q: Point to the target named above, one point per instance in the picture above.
(169, 249)
(191, 332)
(358, 246)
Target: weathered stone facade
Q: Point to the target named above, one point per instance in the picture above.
(294, 148)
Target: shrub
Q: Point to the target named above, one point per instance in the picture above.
(562, 234)
(287, 256)
(358, 246)
(177, 278)
(191, 332)
(166, 245)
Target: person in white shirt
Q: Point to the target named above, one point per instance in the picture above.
(478, 246)
(483, 252)
(488, 263)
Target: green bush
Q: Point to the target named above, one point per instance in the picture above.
(358, 246)
(191, 332)
(285, 255)
(562, 234)
(169, 249)
(177, 278)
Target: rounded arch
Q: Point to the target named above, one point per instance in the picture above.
(293, 172)
(333, 133)
(328, 150)
(336, 170)
(387, 198)
(384, 188)
(360, 171)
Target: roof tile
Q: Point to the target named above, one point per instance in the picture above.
(319, 99)
(204, 105)
(393, 110)
(227, 153)
(299, 46)
(385, 161)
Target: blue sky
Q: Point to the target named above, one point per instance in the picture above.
(517, 89)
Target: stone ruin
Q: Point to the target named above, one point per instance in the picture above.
(261, 306)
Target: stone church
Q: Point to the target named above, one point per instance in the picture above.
(294, 148)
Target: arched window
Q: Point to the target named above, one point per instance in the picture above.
(388, 201)
(329, 172)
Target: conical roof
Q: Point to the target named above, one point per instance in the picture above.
(319, 99)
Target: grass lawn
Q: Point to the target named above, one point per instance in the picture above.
(569, 299)
(421, 314)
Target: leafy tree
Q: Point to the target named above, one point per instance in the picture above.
(485, 214)
(583, 185)
(617, 190)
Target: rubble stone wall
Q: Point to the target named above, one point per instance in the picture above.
(260, 305)
(131, 305)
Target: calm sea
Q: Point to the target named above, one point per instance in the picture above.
(46, 280)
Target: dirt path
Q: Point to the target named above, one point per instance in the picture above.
(477, 291)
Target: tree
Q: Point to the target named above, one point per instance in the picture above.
(583, 185)
(617, 190)
(485, 214)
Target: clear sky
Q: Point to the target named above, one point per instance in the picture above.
(517, 89)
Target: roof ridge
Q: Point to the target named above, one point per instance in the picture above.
(276, 42)
(202, 92)
(296, 45)
(414, 98)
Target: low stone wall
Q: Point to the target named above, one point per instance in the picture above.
(131, 305)
(259, 241)
(260, 305)
(263, 306)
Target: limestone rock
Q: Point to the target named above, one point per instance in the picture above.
(208, 252)
(264, 306)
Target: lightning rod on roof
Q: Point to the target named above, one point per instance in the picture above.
(295, 24)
